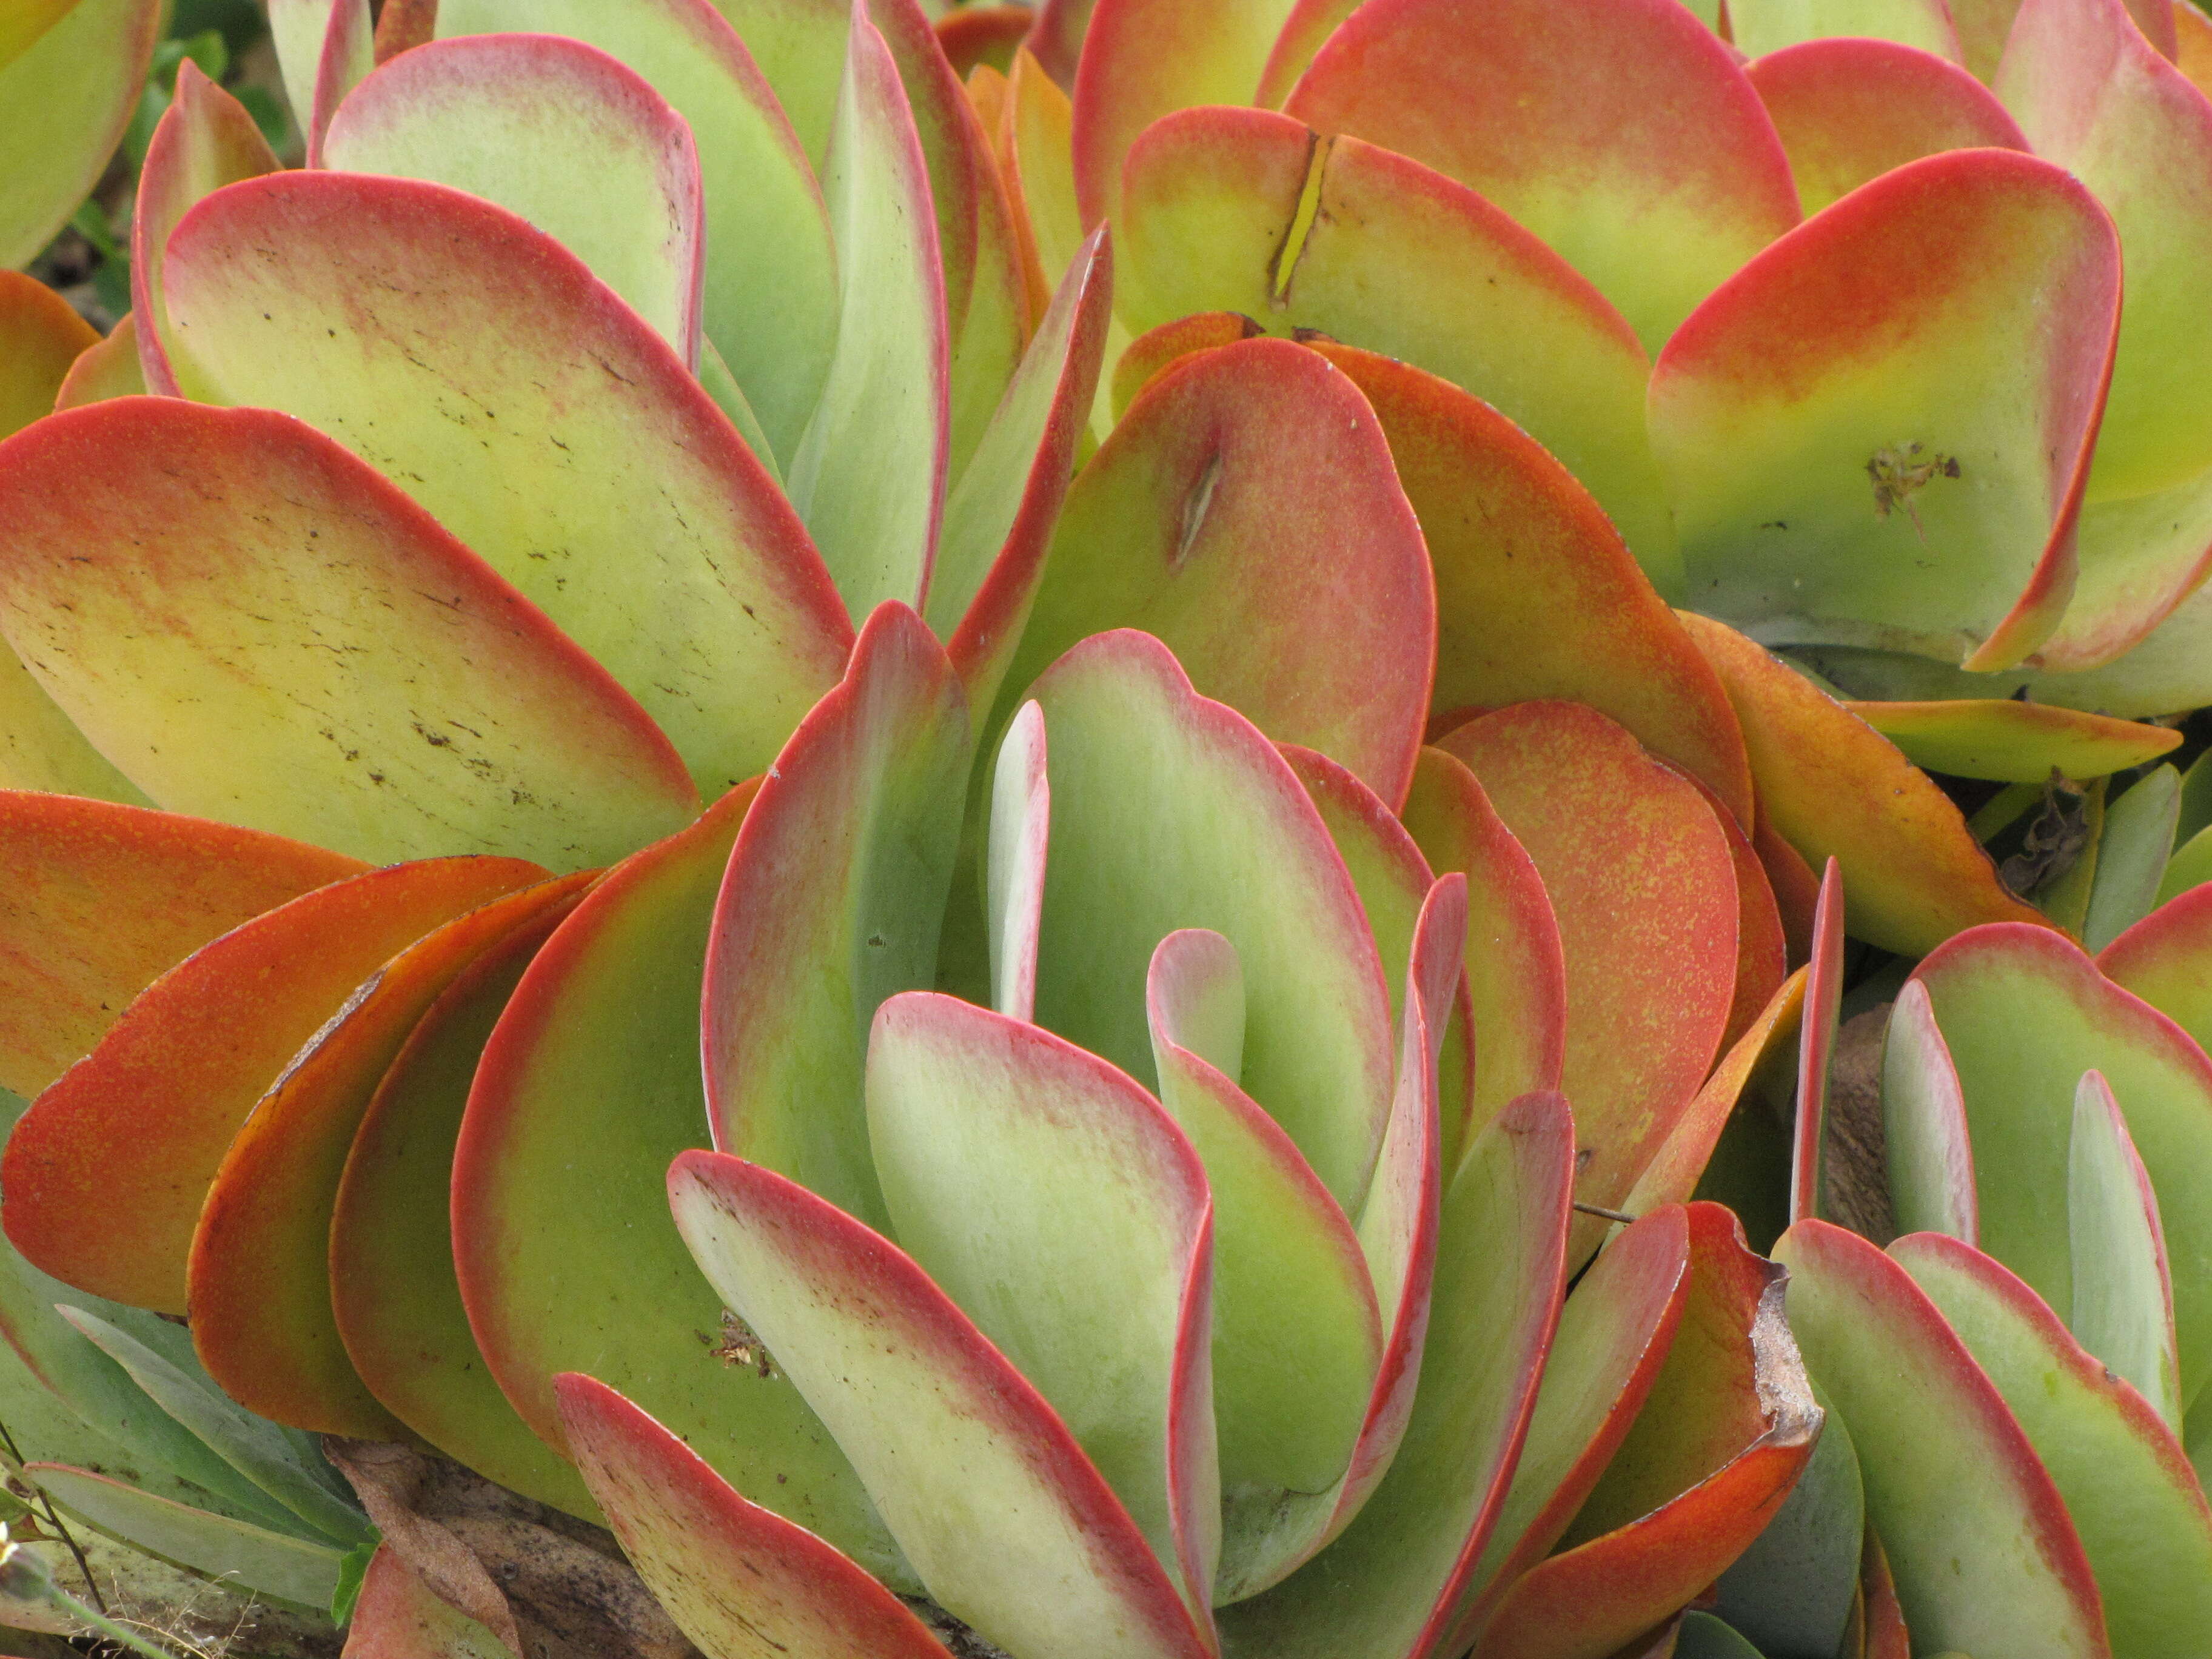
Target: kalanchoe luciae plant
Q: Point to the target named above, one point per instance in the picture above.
(598, 423)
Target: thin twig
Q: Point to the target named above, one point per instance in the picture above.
(1600, 1209)
(53, 1516)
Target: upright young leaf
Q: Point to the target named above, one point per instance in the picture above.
(1930, 1154)
(2122, 1309)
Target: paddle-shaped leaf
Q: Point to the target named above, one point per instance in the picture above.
(97, 900)
(1391, 1580)
(1247, 211)
(598, 1048)
(2008, 741)
(205, 139)
(109, 370)
(167, 554)
(324, 48)
(1810, 419)
(2026, 1013)
(1760, 27)
(2166, 960)
(42, 336)
(104, 1175)
(1297, 1340)
(1929, 1152)
(472, 359)
(2123, 1306)
(2143, 1522)
(1020, 828)
(2132, 849)
(1056, 1204)
(998, 521)
(1006, 1522)
(1797, 1588)
(869, 473)
(1985, 1557)
(70, 92)
(1849, 108)
(770, 299)
(1619, 132)
(565, 136)
(2095, 96)
(1832, 787)
(832, 902)
(1720, 1441)
(734, 1576)
(392, 1286)
(1170, 811)
(400, 1617)
(1640, 877)
(1517, 975)
(1244, 511)
(1536, 594)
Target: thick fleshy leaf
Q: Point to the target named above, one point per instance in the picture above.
(2142, 1518)
(1832, 787)
(1924, 359)
(1169, 811)
(2008, 741)
(1672, 1172)
(985, 283)
(1536, 594)
(259, 1287)
(97, 900)
(1640, 877)
(165, 555)
(324, 48)
(1142, 59)
(2166, 960)
(2095, 96)
(1850, 108)
(869, 473)
(1985, 1558)
(1796, 1589)
(1517, 975)
(984, 35)
(1611, 1342)
(1762, 943)
(1722, 1438)
(1816, 1047)
(392, 1287)
(205, 140)
(1394, 880)
(1929, 1151)
(598, 1048)
(1245, 512)
(1060, 1208)
(1297, 1340)
(1248, 212)
(2132, 849)
(106, 1175)
(999, 520)
(563, 135)
(277, 1563)
(1759, 26)
(396, 316)
(69, 93)
(108, 370)
(1035, 152)
(2026, 1013)
(736, 1577)
(770, 300)
(1704, 1637)
(1036, 1553)
(400, 1617)
(1619, 132)
(41, 336)
(2140, 558)
(1392, 1579)
(833, 900)
(2122, 1304)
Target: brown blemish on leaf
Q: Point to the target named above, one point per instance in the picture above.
(1900, 473)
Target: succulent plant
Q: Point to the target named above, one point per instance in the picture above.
(703, 814)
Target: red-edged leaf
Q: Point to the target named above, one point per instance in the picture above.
(1930, 1153)
(1038, 1555)
(737, 1578)
(398, 1616)
(42, 336)
(106, 1174)
(96, 900)
(1816, 1046)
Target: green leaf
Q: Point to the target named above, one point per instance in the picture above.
(1704, 1637)
(1930, 1155)
(352, 1572)
(1792, 1591)
(2122, 1304)
(253, 1445)
(2131, 856)
(70, 96)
